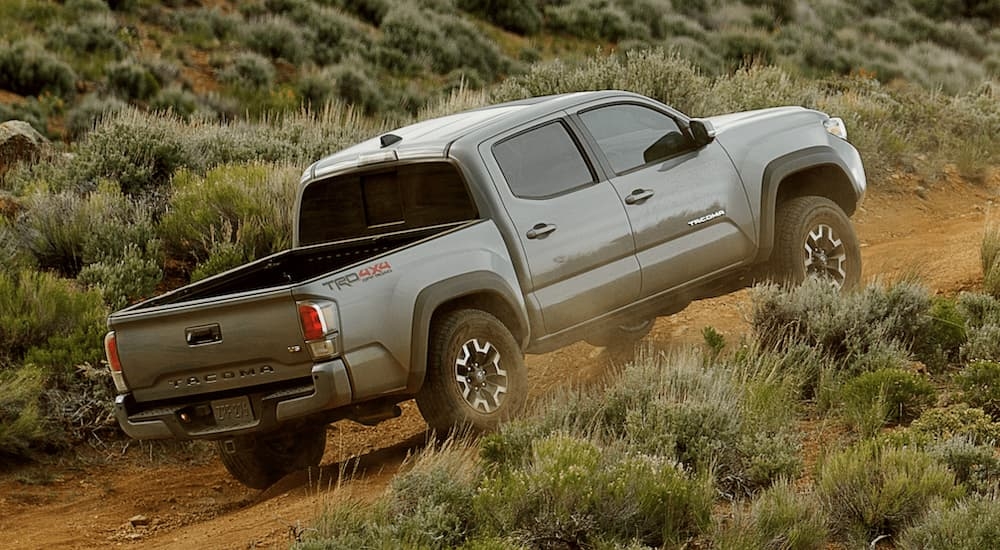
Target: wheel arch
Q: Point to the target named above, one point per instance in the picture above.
(815, 171)
(483, 290)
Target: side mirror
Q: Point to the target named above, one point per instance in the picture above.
(702, 131)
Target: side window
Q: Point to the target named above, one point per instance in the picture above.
(631, 135)
(542, 162)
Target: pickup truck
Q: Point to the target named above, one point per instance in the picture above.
(427, 261)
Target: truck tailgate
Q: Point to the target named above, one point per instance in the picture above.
(201, 347)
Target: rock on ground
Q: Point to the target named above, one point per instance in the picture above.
(19, 142)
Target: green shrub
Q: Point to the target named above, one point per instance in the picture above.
(432, 503)
(336, 33)
(49, 322)
(975, 466)
(247, 206)
(224, 252)
(28, 69)
(958, 420)
(352, 86)
(248, 70)
(664, 75)
(862, 331)
(371, 11)
(348, 525)
(132, 80)
(23, 425)
(205, 27)
(315, 87)
(137, 150)
(744, 47)
(989, 255)
(571, 490)
(86, 7)
(784, 10)
(65, 232)
(779, 518)
(141, 151)
(279, 38)
(940, 340)
(673, 407)
(971, 524)
(91, 34)
(715, 342)
(520, 16)
(175, 100)
(872, 489)
(980, 383)
(89, 111)
(444, 42)
(902, 395)
(592, 19)
(125, 279)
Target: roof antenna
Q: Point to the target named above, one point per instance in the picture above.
(389, 139)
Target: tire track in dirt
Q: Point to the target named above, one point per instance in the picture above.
(189, 501)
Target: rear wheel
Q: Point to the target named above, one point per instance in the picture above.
(259, 461)
(814, 238)
(622, 336)
(475, 373)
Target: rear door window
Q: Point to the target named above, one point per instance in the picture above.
(542, 162)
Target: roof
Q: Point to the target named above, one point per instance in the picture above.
(431, 138)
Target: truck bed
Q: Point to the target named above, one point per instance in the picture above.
(292, 266)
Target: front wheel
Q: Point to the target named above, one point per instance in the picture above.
(475, 373)
(814, 238)
(258, 461)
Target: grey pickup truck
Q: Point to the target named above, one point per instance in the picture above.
(427, 261)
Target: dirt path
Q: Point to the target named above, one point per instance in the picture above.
(136, 499)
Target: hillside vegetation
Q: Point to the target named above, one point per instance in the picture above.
(64, 64)
(149, 199)
(211, 111)
(716, 447)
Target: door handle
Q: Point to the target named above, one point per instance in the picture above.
(638, 196)
(540, 230)
(206, 334)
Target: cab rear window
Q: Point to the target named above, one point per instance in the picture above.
(372, 203)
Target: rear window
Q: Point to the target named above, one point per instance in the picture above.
(405, 197)
(542, 162)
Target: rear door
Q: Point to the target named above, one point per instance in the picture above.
(569, 221)
(686, 204)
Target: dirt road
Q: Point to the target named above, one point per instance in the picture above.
(144, 497)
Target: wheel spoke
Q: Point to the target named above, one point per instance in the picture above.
(481, 380)
(825, 255)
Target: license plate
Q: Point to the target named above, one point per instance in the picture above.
(232, 413)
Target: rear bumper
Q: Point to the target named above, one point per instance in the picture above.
(329, 389)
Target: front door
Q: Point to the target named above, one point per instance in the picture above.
(686, 204)
(571, 226)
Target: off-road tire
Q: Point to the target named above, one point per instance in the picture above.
(258, 461)
(814, 238)
(475, 373)
(622, 337)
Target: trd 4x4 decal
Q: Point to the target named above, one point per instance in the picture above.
(363, 275)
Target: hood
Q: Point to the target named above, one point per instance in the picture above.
(723, 122)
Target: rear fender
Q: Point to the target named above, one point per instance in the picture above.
(482, 287)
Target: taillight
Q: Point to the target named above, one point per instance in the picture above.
(319, 329)
(313, 325)
(114, 362)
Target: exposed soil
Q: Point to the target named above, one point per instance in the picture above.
(153, 496)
